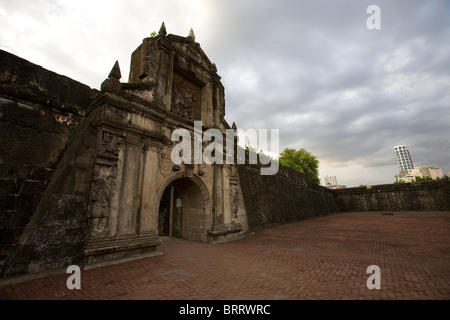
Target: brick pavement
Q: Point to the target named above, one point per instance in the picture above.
(321, 258)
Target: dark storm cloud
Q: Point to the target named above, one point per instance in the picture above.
(313, 70)
(309, 68)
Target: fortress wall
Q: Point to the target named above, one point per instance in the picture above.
(420, 196)
(285, 197)
(39, 113)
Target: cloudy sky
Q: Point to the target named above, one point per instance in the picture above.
(311, 69)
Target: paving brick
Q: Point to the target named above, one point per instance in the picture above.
(321, 258)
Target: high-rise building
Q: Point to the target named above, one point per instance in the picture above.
(331, 183)
(403, 158)
(330, 180)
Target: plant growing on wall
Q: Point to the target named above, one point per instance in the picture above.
(70, 135)
(420, 179)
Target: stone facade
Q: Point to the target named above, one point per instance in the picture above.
(104, 199)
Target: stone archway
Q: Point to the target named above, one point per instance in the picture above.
(184, 209)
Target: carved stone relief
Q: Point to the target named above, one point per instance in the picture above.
(110, 144)
(100, 199)
(186, 98)
(165, 162)
(234, 190)
(104, 181)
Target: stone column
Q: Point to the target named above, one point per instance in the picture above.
(149, 204)
(218, 196)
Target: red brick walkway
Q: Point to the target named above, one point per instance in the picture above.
(322, 258)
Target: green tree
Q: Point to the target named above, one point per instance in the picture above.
(301, 160)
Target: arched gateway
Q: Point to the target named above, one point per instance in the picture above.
(184, 209)
(138, 193)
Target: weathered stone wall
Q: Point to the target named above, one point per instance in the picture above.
(421, 196)
(58, 229)
(39, 113)
(286, 197)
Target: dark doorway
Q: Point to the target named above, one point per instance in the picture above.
(183, 211)
(164, 213)
(169, 214)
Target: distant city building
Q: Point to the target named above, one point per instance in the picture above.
(335, 186)
(404, 178)
(426, 172)
(420, 172)
(403, 159)
(330, 182)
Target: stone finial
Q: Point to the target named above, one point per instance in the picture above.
(113, 81)
(191, 34)
(115, 72)
(233, 126)
(162, 30)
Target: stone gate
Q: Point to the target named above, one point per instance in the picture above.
(116, 189)
(137, 192)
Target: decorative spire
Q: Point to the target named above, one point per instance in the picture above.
(162, 30)
(113, 81)
(115, 72)
(191, 34)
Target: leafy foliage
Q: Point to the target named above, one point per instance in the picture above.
(301, 160)
(420, 179)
